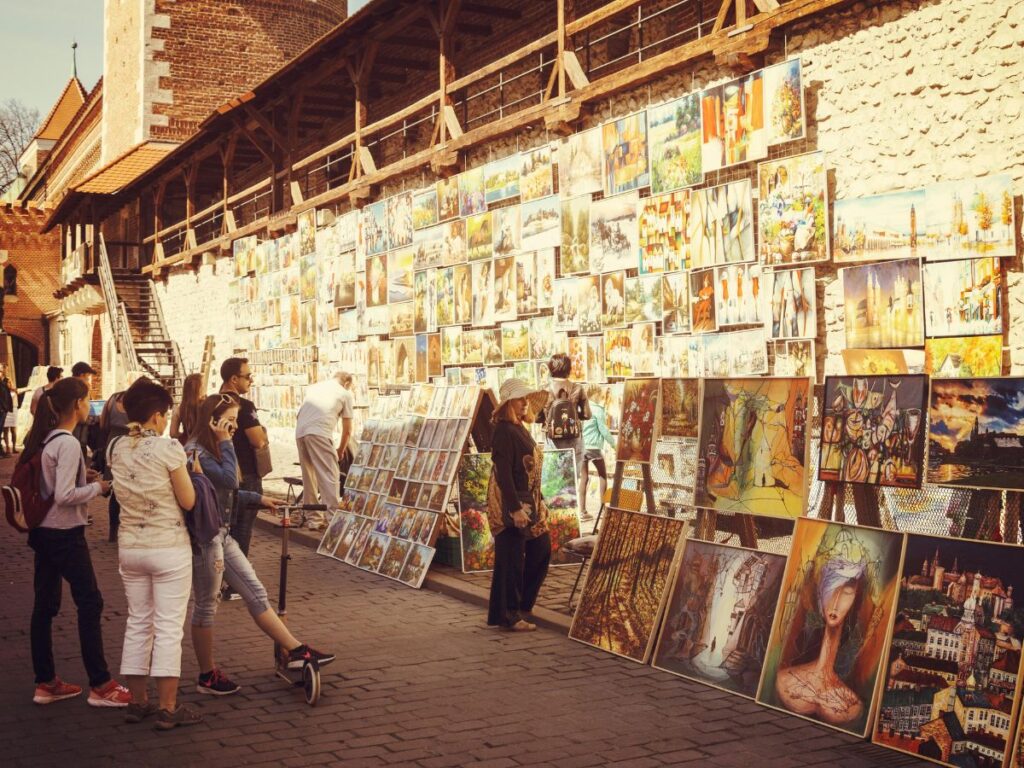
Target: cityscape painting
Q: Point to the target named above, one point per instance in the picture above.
(954, 656)
(963, 298)
(883, 305)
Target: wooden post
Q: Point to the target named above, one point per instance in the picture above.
(158, 221)
(227, 157)
(360, 75)
(293, 140)
(560, 63)
(189, 173)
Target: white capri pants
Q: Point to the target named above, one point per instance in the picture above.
(157, 583)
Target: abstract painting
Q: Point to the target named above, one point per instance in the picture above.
(752, 454)
(680, 406)
(662, 232)
(712, 123)
(613, 233)
(719, 615)
(963, 298)
(536, 179)
(482, 279)
(743, 106)
(580, 164)
(558, 487)
(575, 252)
(976, 433)
(641, 414)
(501, 179)
(970, 218)
(792, 312)
(739, 295)
(879, 227)
(825, 653)
(793, 214)
(626, 585)
(963, 357)
(883, 304)
(954, 656)
(723, 223)
(624, 149)
(475, 532)
(873, 430)
(541, 223)
(702, 301)
(673, 130)
(784, 102)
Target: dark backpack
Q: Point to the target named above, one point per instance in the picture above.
(25, 505)
(204, 519)
(562, 421)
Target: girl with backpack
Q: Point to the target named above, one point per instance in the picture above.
(154, 555)
(221, 559)
(566, 411)
(61, 552)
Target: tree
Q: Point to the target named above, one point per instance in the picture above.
(18, 124)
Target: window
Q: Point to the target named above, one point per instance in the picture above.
(10, 280)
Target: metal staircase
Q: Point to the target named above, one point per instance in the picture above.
(140, 331)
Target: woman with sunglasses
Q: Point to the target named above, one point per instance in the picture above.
(211, 447)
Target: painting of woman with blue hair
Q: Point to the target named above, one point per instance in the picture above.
(830, 627)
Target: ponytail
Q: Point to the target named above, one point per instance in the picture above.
(56, 403)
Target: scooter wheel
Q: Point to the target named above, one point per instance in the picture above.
(311, 684)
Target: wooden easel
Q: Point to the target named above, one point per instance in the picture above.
(865, 501)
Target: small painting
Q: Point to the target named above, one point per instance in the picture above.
(680, 405)
(703, 301)
(963, 357)
(883, 304)
(394, 558)
(504, 289)
(575, 251)
(613, 300)
(613, 233)
(536, 177)
(515, 340)
(471, 192)
(643, 299)
(624, 148)
(541, 223)
(712, 123)
(963, 298)
(508, 236)
(527, 289)
(970, 218)
(448, 206)
(739, 295)
(784, 102)
(793, 214)
(306, 226)
(373, 228)
(724, 225)
(566, 296)
(424, 208)
(399, 272)
(475, 532)
(743, 105)
(673, 130)
(580, 164)
(641, 415)
(792, 304)
(675, 303)
(416, 565)
(618, 353)
(874, 362)
(501, 179)
(662, 232)
(482, 277)
(879, 227)
(400, 222)
(588, 304)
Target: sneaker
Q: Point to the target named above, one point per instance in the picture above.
(110, 694)
(216, 683)
(167, 719)
(298, 657)
(136, 713)
(228, 593)
(47, 693)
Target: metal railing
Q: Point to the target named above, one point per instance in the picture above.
(117, 313)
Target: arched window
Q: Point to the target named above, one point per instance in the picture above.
(10, 280)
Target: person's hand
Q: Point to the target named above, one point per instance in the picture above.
(520, 518)
(223, 429)
(91, 475)
(104, 486)
(269, 502)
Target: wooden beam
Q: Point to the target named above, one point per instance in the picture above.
(412, 42)
(496, 66)
(766, 6)
(476, 30)
(268, 127)
(494, 11)
(451, 122)
(572, 67)
(560, 63)
(594, 18)
(403, 63)
(722, 13)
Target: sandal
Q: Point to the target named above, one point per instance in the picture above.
(521, 626)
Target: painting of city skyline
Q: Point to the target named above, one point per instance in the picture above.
(970, 218)
(825, 655)
(954, 656)
(963, 298)
(976, 433)
(883, 304)
(719, 615)
(889, 226)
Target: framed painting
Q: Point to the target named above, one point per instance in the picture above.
(474, 530)
(753, 446)
(740, 295)
(879, 227)
(970, 218)
(792, 210)
(536, 177)
(394, 558)
(952, 682)
(501, 179)
(624, 149)
(580, 164)
(471, 192)
(575, 251)
(883, 304)
(662, 232)
(873, 430)
(792, 303)
(963, 298)
(826, 650)
(641, 417)
(963, 358)
(424, 208)
(673, 130)
(416, 565)
(541, 223)
(333, 533)
(680, 408)
(613, 233)
(627, 583)
(719, 615)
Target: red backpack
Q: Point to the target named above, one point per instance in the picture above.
(26, 507)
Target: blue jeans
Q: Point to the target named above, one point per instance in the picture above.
(244, 518)
(222, 560)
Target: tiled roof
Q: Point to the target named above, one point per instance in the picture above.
(118, 173)
(63, 111)
(943, 623)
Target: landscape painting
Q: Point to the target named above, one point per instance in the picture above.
(558, 487)
(753, 443)
(673, 130)
(501, 179)
(536, 179)
(680, 406)
(580, 164)
(719, 615)
(964, 357)
(626, 585)
(954, 656)
(792, 210)
(624, 149)
(475, 532)
(827, 645)
(575, 251)
(976, 433)
(883, 305)
(675, 302)
(873, 430)
(963, 298)
(541, 224)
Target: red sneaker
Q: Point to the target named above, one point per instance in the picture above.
(110, 694)
(47, 693)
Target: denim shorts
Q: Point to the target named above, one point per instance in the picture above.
(223, 560)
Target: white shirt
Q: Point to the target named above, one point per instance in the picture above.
(325, 403)
(150, 515)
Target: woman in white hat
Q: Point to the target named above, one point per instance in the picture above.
(516, 510)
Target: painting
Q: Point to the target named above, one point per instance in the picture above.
(594, 368)
(739, 295)
(451, 345)
(753, 446)
(448, 204)
(580, 164)
(373, 228)
(963, 357)
(541, 223)
(444, 311)
(976, 433)
(970, 218)
(399, 273)
(613, 233)
(784, 102)
(792, 208)
(424, 208)
(723, 224)
(501, 179)
(613, 299)
(575, 252)
(626, 585)
(792, 304)
(883, 304)
(702, 301)
(680, 406)
(416, 564)
(515, 340)
(643, 299)
(641, 415)
(400, 221)
(504, 289)
(663, 235)
(558, 487)
(879, 227)
(795, 357)
(675, 303)
(873, 430)
(306, 227)
(474, 531)
(826, 648)
(566, 295)
(712, 124)
(963, 298)
(507, 231)
(624, 149)
(719, 615)
(673, 130)
(743, 108)
(588, 304)
(536, 177)
(526, 284)
(454, 243)
(394, 558)
(546, 278)
(954, 656)
(482, 280)
(471, 192)
(345, 281)
(645, 348)
(874, 362)
(333, 533)
(479, 234)
(373, 552)
(618, 353)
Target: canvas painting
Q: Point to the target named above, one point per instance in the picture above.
(641, 416)
(618, 353)
(515, 340)
(873, 430)
(424, 208)
(954, 657)
(874, 362)
(536, 177)
(471, 192)
(542, 338)
(645, 348)
(546, 278)
(444, 312)
(448, 203)
(970, 218)
(643, 299)
(883, 304)
(784, 102)
(673, 130)
(797, 357)
(712, 123)
(792, 208)
(963, 357)
(482, 277)
(624, 148)
(507, 231)
(575, 251)
(566, 294)
(702, 301)
(723, 225)
(541, 223)
(400, 221)
(613, 233)
(345, 281)
(399, 272)
(976, 433)
(879, 227)
(373, 228)
(306, 227)
(753, 446)
(739, 295)
(451, 345)
(827, 645)
(394, 558)
(675, 302)
(594, 371)
(333, 533)
(475, 533)
(504, 289)
(662, 232)
(588, 304)
(558, 487)
(719, 615)
(527, 284)
(580, 164)
(479, 237)
(792, 312)
(963, 298)
(613, 299)
(626, 586)
(743, 105)
(416, 565)
(377, 280)
(501, 179)
(680, 406)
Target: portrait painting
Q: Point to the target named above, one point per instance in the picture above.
(641, 417)
(792, 210)
(883, 304)
(673, 130)
(702, 301)
(580, 164)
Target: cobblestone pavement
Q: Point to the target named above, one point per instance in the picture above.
(419, 681)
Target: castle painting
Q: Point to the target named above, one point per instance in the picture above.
(883, 305)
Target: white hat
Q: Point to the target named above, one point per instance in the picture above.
(513, 389)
